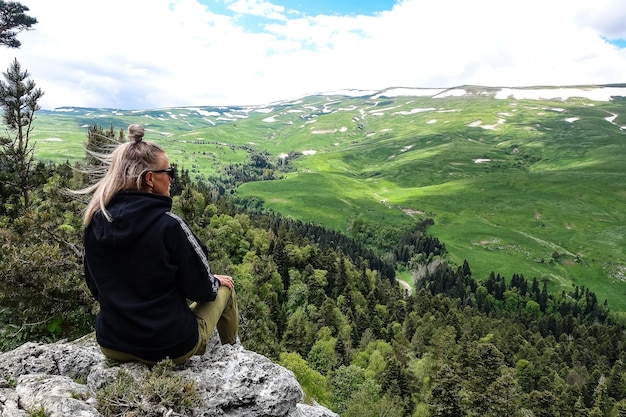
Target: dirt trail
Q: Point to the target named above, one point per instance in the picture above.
(406, 286)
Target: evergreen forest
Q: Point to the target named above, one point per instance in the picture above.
(328, 306)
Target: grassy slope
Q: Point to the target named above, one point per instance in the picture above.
(552, 185)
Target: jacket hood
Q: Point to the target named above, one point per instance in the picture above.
(132, 213)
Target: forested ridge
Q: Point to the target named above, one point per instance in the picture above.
(328, 307)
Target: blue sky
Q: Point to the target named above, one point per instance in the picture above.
(254, 15)
(146, 54)
(620, 43)
(315, 7)
(338, 7)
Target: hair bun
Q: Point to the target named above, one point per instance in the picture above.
(136, 132)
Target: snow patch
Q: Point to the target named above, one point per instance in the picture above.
(403, 91)
(596, 94)
(479, 123)
(414, 111)
(202, 112)
(383, 109)
(350, 93)
(493, 127)
(454, 92)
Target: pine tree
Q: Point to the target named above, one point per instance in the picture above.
(19, 100)
(445, 396)
(13, 20)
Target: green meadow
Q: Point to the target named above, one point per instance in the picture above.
(533, 187)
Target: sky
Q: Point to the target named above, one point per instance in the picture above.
(149, 54)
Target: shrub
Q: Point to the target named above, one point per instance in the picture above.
(152, 393)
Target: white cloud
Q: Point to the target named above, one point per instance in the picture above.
(155, 53)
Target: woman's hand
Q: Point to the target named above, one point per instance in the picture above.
(226, 281)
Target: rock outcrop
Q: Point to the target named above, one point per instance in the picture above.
(61, 380)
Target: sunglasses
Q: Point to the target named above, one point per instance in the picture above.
(171, 172)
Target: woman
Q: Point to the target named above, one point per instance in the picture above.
(143, 264)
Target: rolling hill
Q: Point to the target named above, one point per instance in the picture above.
(517, 180)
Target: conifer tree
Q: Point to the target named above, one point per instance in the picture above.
(13, 20)
(100, 141)
(445, 396)
(19, 100)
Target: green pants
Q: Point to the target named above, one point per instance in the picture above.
(221, 313)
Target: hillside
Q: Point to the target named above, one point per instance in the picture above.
(525, 180)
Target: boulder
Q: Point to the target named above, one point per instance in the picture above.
(61, 379)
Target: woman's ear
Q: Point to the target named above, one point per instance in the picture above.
(148, 179)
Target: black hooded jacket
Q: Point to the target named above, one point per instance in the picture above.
(143, 267)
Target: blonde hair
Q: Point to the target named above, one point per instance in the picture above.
(127, 164)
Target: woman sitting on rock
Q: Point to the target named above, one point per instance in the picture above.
(143, 264)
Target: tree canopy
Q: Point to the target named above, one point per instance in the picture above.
(13, 20)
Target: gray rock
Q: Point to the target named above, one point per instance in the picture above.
(62, 378)
(58, 395)
(9, 404)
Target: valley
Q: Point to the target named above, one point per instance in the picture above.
(526, 181)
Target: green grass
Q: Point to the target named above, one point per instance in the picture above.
(551, 181)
